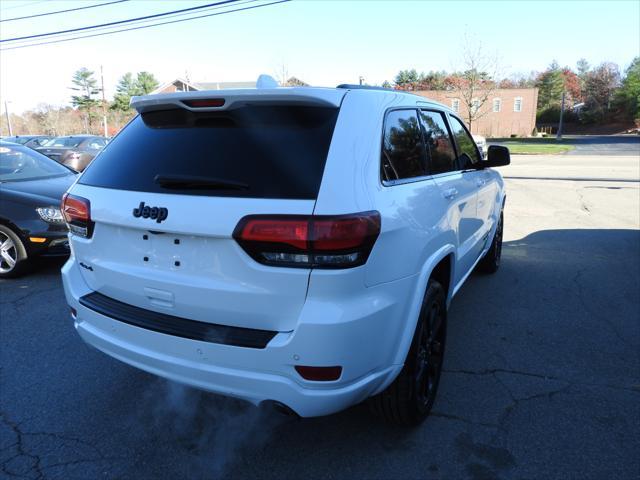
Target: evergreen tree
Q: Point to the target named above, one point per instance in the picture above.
(86, 85)
(145, 83)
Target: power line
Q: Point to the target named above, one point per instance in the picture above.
(175, 15)
(62, 11)
(143, 26)
(108, 30)
(23, 5)
(119, 22)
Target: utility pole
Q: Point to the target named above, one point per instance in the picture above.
(361, 79)
(6, 111)
(559, 135)
(104, 105)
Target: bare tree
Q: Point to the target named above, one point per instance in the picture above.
(281, 74)
(49, 118)
(475, 80)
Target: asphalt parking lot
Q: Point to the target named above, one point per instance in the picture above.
(603, 145)
(542, 370)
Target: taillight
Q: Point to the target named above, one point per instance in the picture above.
(343, 241)
(77, 214)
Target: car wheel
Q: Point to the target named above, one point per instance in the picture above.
(408, 400)
(491, 261)
(13, 254)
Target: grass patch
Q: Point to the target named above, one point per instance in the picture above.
(536, 140)
(537, 148)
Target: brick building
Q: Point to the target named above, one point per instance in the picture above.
(508, 111)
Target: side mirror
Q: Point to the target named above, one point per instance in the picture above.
(497, 156)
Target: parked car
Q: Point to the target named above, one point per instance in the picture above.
(481, 142)
(31, 189)
(31, 141)
(75, 151)
(293, 246)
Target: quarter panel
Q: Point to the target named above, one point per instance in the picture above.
(414, 225)
(352, 171)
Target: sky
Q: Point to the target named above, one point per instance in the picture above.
(323, 42)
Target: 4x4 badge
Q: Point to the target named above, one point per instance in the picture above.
(157, 213)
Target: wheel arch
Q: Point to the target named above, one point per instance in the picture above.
(13, 227)
(441, 262)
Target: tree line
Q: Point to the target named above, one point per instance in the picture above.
(593, 94)
(87, 109)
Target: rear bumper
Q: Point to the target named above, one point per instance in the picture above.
(360, 335)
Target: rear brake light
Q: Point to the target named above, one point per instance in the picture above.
(204, 102)
(343, 241)
(77, 214)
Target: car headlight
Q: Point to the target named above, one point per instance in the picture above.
(50, 214)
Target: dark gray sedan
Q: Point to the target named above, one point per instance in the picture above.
(31, 224)
(75, 151)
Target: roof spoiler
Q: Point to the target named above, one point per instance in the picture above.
(266, 92)
(228, 99)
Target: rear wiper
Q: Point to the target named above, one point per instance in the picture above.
(189, 181)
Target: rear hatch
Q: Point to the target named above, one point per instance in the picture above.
(167, 193)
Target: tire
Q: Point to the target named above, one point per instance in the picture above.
(408, 400)
(13, 254)
(490, 263)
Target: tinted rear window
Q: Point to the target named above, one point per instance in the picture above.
(403, 154)
(279, 152)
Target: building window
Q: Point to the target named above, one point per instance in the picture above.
(517, 104)
(497, 105)
(455, 105)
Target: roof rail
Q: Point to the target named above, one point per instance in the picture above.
(353, 86)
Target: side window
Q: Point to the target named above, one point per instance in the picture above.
(464, 141)
(403, 154)
(442, 157)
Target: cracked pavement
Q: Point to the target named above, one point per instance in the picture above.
(541, 376)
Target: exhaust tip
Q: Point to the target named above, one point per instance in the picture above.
(284, 409)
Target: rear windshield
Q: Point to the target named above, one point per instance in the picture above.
(64, 142)
(272, 151)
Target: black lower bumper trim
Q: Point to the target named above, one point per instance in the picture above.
(180, 327)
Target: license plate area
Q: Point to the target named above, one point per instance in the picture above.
(166, 251)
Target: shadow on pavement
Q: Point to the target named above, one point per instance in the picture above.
(544, 321)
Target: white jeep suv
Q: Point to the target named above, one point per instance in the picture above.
(297, 246)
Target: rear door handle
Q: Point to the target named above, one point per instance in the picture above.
(450, 193)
